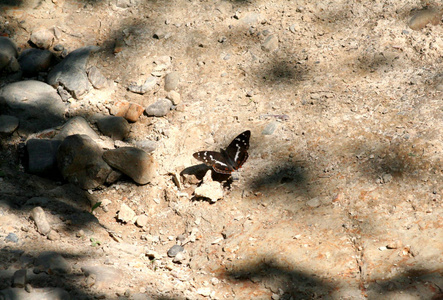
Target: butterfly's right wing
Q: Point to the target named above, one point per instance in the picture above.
(215, 160)
(237, 151)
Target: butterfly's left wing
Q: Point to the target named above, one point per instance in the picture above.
(215, 160)
(237, 151)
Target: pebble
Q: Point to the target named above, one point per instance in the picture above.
(39, 217)
(42, 38)
(12, 238)
(314, 202)
(103, 277)
(179, 258)
(129, 110)
(80, 162)
(394, 245)
(33, 61)
(8, 124)
(425, 16)
(76, 125)
(171, 81)
(269, 128)
(146, 145)
(42, 156)
(19, 279)
(174, 250)
(21, 99)
(8, 51)
(96, 78)
(53, 235)
(148, 85)
(115, 127)
(71, 72)
(174, 97)
(386, 177)
(270, 44)
(133, 162)
(159, 108)
(142, 220)
(211, 190)
(126, 214)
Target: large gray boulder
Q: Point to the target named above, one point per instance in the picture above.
(35, 103)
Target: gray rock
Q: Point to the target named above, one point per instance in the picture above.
(96, 78)
(39, 217)
(34, 294)
(71, 72)
(42, 38)
(36, 104)
(146, 145)
(42, 156)
(314, 202)
(148, 85)
(12, 238)
(171, 81)
(133, 162)
(33, 61)
(80, 161)
(125, 214)
(270, 44)
(20, 278)
(269, 128)
(8, 124)
(174, 250)
(115, 127)
(159, 108)
(77, 125)
(425, 16)
(53, 261)
(8, 51)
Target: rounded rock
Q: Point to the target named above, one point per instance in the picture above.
(174, 250)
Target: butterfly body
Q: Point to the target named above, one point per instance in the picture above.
(228, 160)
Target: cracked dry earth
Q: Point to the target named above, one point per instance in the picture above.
(341, 197)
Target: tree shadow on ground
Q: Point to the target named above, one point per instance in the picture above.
(283, 281)
(420, 283)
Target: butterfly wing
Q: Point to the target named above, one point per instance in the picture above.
(216, 160)
(237, 151)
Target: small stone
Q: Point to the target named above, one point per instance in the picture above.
(206, 291)
(125, 214)
(39, 217)
(270, 44)
(133, 162)
(29, 288)
(11, 238)
(129, 110)
(146, 145)
(115, 127)
(19, 279)
(171, 81)
(386, 177)
(148, 85)
(174, 250)
(8, 51)
(314, 202)
(96, 78)
(179, 258)
(53, 235)
(211, 190)
(270, 128)
(32, 61)
(174, 97)
(8, 124)
(142, 220)
(159, 108)
(76, 126)
(80, 233)
(42, 38)
(394, 245)
(425, 16)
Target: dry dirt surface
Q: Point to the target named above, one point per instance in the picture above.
(341, 197)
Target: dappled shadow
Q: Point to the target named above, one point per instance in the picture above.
(291, 283)
(420, 283)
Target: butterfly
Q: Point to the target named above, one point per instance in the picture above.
(229, 160)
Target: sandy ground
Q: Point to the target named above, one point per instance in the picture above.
(342, 201)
